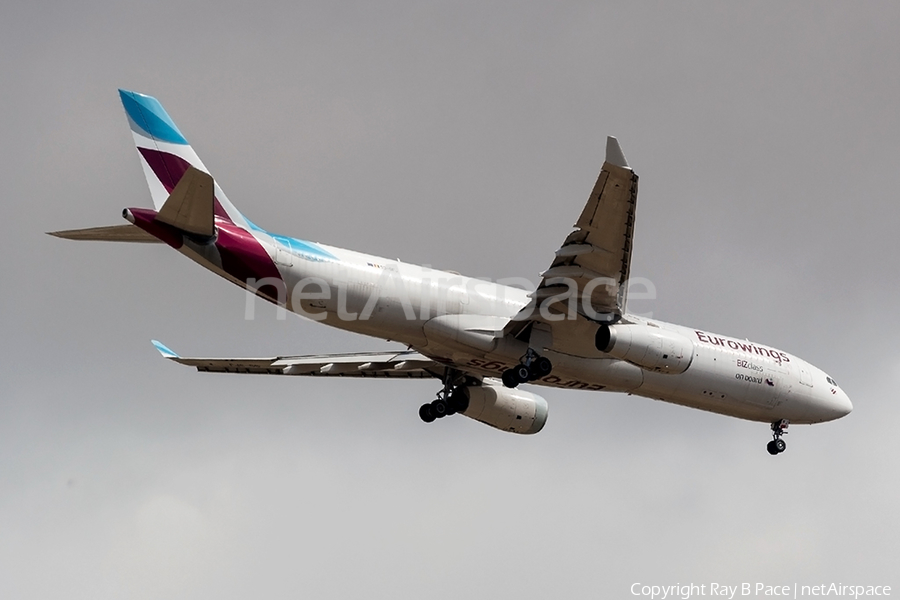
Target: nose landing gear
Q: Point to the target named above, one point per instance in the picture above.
(533, 367)
(777, 445)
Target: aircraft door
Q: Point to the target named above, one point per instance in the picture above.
(777, 387)
(283, 256)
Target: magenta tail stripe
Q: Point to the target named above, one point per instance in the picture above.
(169, 169)
(244, 258)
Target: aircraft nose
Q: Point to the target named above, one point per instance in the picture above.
(846, 405)
(839, 405)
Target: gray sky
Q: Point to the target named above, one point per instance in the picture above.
(465, 136)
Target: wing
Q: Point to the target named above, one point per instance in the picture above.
(596, 257)
(406, 364)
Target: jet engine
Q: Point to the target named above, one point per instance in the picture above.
(648, 347)
(505, 408)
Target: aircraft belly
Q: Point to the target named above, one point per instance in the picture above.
(569, 372)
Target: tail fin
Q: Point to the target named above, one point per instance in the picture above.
(165, 153)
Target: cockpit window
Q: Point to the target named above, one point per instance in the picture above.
(831, 381)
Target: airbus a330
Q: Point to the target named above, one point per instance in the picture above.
(480, 340)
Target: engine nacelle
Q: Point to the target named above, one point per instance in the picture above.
(648, 347)
(506, 409)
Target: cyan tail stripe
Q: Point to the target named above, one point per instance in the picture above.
(148, 114)
(299, 246)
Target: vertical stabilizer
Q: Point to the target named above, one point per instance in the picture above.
(165, 153)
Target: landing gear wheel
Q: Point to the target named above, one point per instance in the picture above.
(522, 373)
(777, 445)
(451, 399)
(540, 368)
(509, 378)
(425, 413)
(439, 409)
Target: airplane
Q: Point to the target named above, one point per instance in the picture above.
(480, 339)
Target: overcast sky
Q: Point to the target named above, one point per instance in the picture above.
(467, 136)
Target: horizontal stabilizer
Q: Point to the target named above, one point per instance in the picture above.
(114, 233)
(190, 206)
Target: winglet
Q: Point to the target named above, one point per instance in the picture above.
(163, 350)
(614, 154)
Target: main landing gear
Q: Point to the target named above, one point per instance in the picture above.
(777, 445)
(532, 367)
(450, 400)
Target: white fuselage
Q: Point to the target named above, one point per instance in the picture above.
(452, 319)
